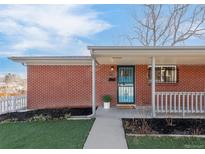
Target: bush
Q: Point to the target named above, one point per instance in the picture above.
(40, 117)
(107, 98)
(67, 116)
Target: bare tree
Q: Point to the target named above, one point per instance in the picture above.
(168, 25)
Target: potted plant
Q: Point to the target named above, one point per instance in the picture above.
(106, 101)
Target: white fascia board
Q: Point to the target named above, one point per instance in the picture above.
(97, 51)
(52, 60)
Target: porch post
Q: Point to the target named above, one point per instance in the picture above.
(93, 86)
(153, 86)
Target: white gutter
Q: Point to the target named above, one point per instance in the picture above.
(145, 48)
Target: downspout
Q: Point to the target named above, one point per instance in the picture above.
(93, 91)
(93, 86)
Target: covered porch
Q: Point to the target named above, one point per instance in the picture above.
(142, 112)
(165, 103)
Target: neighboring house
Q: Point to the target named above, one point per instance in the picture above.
(125, 73)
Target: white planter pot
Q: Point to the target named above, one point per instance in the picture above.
(106, 105)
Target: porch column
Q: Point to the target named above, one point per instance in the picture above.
(153, 86)
(93, 86)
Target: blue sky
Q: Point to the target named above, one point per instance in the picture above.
(108, 22)
(28, 30)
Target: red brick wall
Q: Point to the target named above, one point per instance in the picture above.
(67, 86)
(191, 78)
(103, 86)
(142, 87)
(70, 86)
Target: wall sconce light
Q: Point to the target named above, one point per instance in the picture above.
(112, 68)
(112, 74)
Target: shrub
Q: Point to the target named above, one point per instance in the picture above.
(8, 121)
(106, 98)
(67, 116)
(40, 117)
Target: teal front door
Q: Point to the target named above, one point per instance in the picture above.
(126, 84)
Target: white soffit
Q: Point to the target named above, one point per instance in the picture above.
(53, 60)
(153, 52)
(141, 55)
(126, 60)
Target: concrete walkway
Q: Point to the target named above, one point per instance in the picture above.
(107, 132)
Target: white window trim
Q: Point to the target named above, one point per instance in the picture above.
(160, 66)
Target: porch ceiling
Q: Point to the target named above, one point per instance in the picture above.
(142, 55)
(132, 60)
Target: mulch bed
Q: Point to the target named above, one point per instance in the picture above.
(51, 113)
(164, 126)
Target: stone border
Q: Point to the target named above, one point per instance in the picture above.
(164, 135)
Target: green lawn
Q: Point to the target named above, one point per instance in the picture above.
(49, 134)
(147, 142)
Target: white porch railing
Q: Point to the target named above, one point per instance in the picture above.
(180, 102)
(12, 103)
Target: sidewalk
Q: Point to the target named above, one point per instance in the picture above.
(107, 132)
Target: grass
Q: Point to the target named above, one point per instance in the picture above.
(147, 142)
(45, 135)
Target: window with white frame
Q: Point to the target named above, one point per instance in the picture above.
(164, 73)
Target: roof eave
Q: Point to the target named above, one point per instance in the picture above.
(82, 60)
(145, 51)
(145, 48)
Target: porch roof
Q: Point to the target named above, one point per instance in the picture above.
(129, 55)
(123, 55)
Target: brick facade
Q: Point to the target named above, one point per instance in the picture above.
(67, 86)
(70, 86)
(191, 78)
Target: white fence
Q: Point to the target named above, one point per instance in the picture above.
(180, 102)
(12, 103)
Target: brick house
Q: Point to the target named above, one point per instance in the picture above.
(126, 73)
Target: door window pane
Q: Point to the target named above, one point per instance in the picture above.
(125, 75)
(126, 94)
